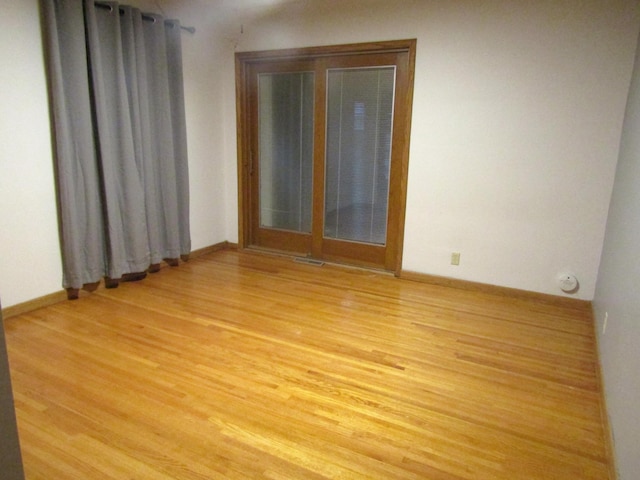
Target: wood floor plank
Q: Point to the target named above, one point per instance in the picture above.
(238, 365)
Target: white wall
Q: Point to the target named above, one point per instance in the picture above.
(206, 127)
(30, 264)
(517, 114)
(617, 294)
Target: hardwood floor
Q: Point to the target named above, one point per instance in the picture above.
(239, 365)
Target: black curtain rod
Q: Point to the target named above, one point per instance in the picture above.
(147, 17)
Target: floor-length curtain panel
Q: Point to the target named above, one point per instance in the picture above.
(79, 196)
(161, 173)
(133, 45)
(127, 242)
(139, 171)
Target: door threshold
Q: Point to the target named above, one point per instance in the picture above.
(297, 258)
(308, 261)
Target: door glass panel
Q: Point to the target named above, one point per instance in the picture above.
(358, 158)
(286, 150)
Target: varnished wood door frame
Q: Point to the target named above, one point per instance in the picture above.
(397, 198)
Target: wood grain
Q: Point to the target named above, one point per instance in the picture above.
(240, 365)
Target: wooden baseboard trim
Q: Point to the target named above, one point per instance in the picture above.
(35, 304)
(495, 290)
(61, 296)
(213, 248)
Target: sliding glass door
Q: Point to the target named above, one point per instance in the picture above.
(323, 151)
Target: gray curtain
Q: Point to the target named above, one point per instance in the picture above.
(119, 126)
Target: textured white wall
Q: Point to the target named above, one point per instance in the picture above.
(617, 294)
(202, 57)
(30, 264)
(517, 115)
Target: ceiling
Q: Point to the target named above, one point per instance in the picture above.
(221, 14)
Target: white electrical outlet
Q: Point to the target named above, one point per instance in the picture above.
(604, 324)
(455, 258)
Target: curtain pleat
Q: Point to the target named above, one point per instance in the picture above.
(122, 165)
(178, 118)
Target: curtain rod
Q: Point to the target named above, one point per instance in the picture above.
(145, 16)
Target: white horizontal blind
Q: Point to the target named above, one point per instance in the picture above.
(358, 155)
(286, 150)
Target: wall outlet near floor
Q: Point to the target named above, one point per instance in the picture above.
(455, 258)
(604, 324)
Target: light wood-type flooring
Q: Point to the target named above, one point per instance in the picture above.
(240, 365)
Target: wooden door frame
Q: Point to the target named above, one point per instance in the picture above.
(243, 61)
